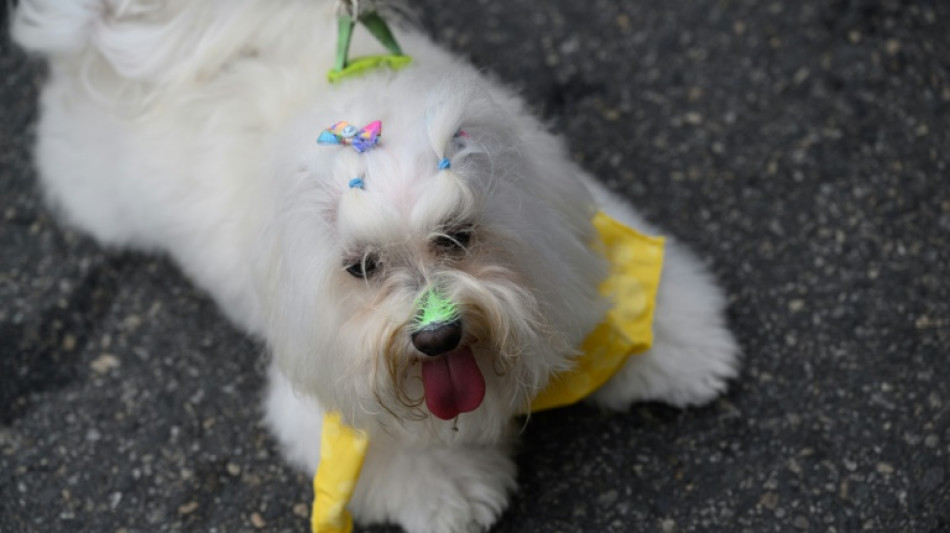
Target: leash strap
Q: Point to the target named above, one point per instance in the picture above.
(344, 28)
(343, 67)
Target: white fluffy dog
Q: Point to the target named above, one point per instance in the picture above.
(188, 128)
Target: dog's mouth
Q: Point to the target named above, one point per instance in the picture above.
(453, 383)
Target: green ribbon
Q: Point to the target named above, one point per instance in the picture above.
(343, 67)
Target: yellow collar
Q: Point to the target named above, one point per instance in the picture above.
(635, 264)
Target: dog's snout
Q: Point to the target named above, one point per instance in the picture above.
(437, 339)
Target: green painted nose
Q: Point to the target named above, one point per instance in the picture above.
(433, 308)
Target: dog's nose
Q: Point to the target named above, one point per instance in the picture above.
(436, 339)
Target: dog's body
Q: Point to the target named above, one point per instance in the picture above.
(188, 128)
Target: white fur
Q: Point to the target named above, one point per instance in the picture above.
(188, 128)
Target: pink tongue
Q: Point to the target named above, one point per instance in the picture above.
(453, 383)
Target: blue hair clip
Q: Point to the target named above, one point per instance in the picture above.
(444, 164)
(357, 183)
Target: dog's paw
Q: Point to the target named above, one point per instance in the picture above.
(455, 506)
(675, 371)
(443, 490)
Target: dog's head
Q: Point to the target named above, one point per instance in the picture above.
(446, 270)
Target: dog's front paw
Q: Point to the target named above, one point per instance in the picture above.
(467, 504)
(441, 490)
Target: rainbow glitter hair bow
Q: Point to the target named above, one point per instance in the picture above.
(343, 133)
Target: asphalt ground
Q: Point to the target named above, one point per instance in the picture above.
(800, 147)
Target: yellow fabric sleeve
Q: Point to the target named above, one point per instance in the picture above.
(636, 261)
(342, 450)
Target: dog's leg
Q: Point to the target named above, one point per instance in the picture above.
(295, 420)
(101, 168)
(422, 487)
(434, 488)
(694, 354)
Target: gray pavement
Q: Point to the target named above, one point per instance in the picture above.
(800, 147)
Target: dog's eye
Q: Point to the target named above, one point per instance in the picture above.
(363, 268)
(455, 240)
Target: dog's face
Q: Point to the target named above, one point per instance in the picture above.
(402, 289)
